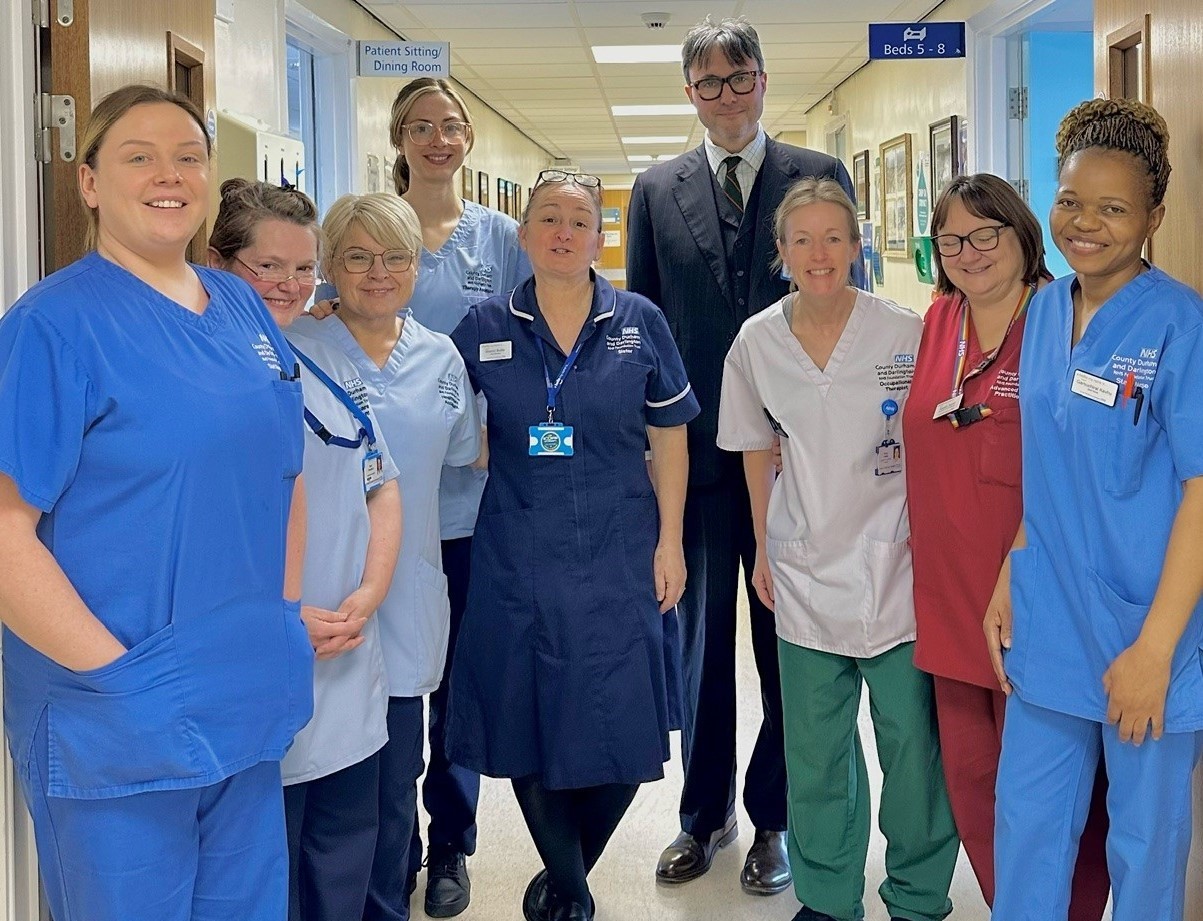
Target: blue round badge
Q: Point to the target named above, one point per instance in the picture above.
(550, 442)
(889, 408)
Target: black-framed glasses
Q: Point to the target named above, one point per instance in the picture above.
(559, 175)
(360, 261)
(983, 240)
(742, 83)
(422, 133)
(272, 274)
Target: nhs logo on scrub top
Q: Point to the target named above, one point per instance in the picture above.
(904, 358)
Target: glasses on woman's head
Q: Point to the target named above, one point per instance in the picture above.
(422, 133)
(360, 261)
(983, 240)
(710, 88)
(271, 274)
(559, 175)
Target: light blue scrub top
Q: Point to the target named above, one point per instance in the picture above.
(426, 408)
(480, 259)
(1100, 493)
(161, 447)
(350, 691)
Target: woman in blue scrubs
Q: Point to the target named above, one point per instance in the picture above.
(150, 437)
(269, 237)
(560, 680)
(1102, 658)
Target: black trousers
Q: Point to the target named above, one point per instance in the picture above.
(718, 537)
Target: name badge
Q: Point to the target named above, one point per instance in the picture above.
(889, 458)
(496, 351)
(373, 471)
(1094, 388)
(550, 440)
(951, 405)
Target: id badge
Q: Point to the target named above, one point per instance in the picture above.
(951, 405)
(889, 458)
(550, 440)
(373, 471)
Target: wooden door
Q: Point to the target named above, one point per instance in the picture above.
(88, 48)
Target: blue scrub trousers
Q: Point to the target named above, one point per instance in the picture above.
(400, 767)
(1045, 779)
(203, 854)
(332, 823)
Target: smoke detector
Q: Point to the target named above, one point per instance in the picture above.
(655, 20)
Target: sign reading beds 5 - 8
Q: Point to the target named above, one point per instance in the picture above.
(916, 41)
(405, 59)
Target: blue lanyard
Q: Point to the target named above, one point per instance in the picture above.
(553, 388)
(366, 431)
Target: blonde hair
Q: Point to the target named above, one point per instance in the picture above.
(1124, 125)
(384, 217)
(410, 94)
(811, 191)
(111, 109)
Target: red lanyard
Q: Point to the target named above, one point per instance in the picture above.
(959, 376)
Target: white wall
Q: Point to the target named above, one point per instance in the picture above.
(254, 87)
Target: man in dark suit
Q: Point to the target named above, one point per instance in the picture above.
(700, 242)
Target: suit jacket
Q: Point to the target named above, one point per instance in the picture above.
(675, 258)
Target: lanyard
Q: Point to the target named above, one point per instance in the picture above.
(958, 371)
(366, 430)
(553, 389)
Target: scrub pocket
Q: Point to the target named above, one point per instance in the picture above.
(122, 728)
(793, 578)
(889, 613)
(290, 403)
(1025, 592)
(299, 651)
(1126, 448)
(1001, 455)
(432, 622)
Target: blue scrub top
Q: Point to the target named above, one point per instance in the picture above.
(480, 259)
(560, 665)
(1101, 489)
(161, 446)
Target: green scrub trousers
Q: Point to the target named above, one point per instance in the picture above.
(829, 786)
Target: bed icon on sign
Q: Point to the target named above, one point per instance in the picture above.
(914, 35)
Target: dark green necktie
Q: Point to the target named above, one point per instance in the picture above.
(731, 184)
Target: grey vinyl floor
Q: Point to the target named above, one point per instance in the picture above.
(623, 883)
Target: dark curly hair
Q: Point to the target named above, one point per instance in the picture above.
(1124, 125)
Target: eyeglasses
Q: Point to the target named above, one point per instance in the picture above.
(742, 83)
(559, 175)
(359, 261)
(422, 133)
(272, 274)
(983, 240)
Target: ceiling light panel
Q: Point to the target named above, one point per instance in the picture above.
(636, 54)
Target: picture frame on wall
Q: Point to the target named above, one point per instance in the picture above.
(482, 188)
(897, 194)
(517, 212)
(944, 139)
(860, 183)
(468, 184)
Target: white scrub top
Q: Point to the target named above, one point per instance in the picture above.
(837, 531)
(424, 406)
(350, 692)
(480, 259)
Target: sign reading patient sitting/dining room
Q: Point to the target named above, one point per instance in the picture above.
(404, 59)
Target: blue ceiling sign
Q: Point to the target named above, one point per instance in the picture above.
(916, 41)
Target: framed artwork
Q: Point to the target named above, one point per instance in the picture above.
(482, 188)
(468, 187)
(517, 215)
(502, 194)
(897, 194)
(944, 137)
(860, 183)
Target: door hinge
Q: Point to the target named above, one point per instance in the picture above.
(41, 14)
(55, 113)
(1020, 186)
(1017, 102)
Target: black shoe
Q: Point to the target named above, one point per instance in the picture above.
(536, 902)
(572, 911)
(688, 857)
(809, 914)
(766, 871)
(410, 885)
(448, 889)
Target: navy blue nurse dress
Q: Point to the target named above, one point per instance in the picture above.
(561, 669)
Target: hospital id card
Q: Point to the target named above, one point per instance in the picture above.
(550, 440)
(889, 458)
(373, 471)
(1094, 388)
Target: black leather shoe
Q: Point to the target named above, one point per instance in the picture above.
(448, 889)
(766, 871)
(536, 902)
(571, 911)
(809, 914)
(688, 857)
